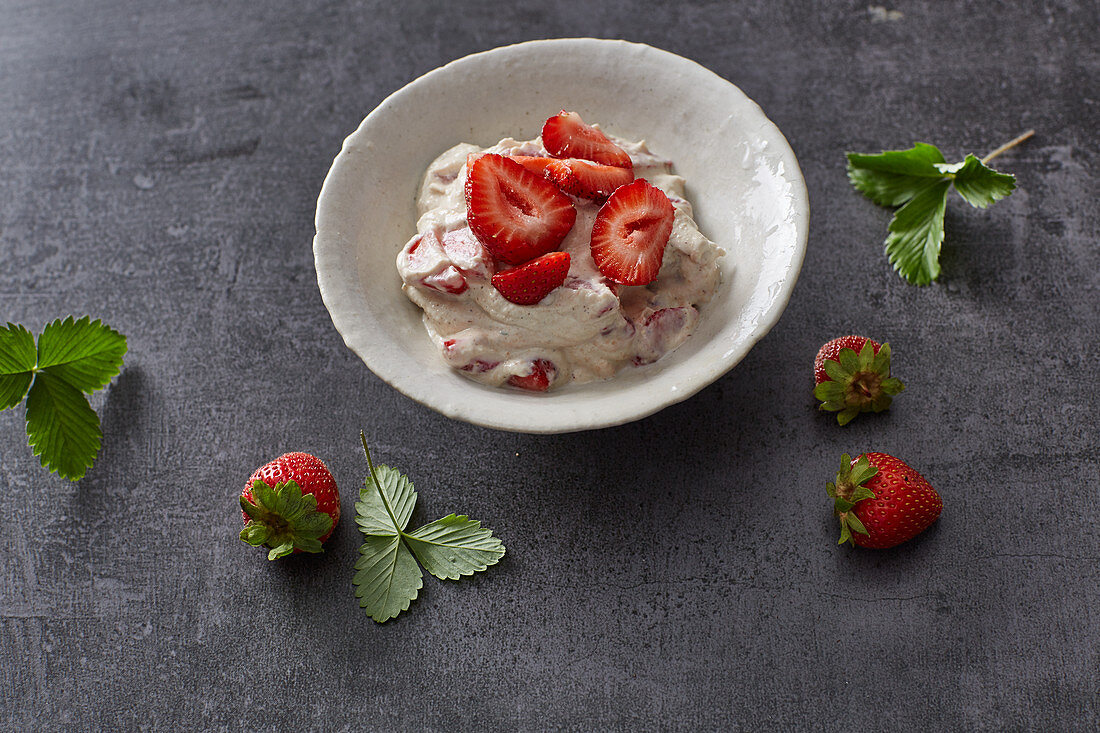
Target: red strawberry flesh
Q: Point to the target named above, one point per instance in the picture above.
(565, 135)
(515, 213)
(587, 180)
(447, 280)
(467, 253)
(630, 233)
(531, 282)
(539, 379)
(535, 164)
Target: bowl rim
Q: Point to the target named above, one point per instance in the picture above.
(531, 421)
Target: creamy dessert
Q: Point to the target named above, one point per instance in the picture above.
(560, 259)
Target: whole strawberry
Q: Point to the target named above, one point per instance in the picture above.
(881, 501)
(290, 504)
(852, 375)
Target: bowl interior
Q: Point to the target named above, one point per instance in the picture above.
(742, 178)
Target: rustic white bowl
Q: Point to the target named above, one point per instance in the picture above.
(742, 178)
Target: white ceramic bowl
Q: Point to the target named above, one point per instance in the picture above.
(742, 178)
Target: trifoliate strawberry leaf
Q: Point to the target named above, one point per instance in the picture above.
(918, 180)
(62, 427)
(387, 578)
(73, 357)
(17, 361)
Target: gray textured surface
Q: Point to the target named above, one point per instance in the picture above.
(159, 164)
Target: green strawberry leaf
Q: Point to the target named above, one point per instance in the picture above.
(62, 427)
(917, 180)
(980, 185)
(846, 415)
(892, 177)
(847, 491)
(860, 471)
(830, 391)
(371, 511)
(916, 233)
(849, 361)
(454, 546)
(84, 353)
(881, 361)
(18, 358)
(387, 577)
(836, 371)
(892, 386)
(855, 524)
(72, 357)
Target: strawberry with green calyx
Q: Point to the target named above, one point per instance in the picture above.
(290, 504)
(881, 501)
(852, 374)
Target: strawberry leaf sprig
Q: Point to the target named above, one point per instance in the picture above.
(387, 577)
(72, 358)
(918, 180)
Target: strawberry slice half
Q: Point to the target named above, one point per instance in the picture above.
(587, 180)
(565, 135)
(516, 214)
(530, 283)
(630, 233)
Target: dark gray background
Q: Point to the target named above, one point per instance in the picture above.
(159, 166)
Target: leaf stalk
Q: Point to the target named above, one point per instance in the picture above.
(378, 484)
(1008, 146)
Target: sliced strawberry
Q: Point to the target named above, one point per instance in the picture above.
(587, 180)
(447, 280)
(467, 253)
(630, 233)
(662, 331)
(516, 214)
(423, 254)
(565, 135)
(535, 164)
(539, 379)
(530, 283)
(477, 366)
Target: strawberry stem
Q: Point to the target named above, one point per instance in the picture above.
(378, 484)
(1008, 146)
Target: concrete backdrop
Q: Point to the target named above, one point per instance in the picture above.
(159, 166)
